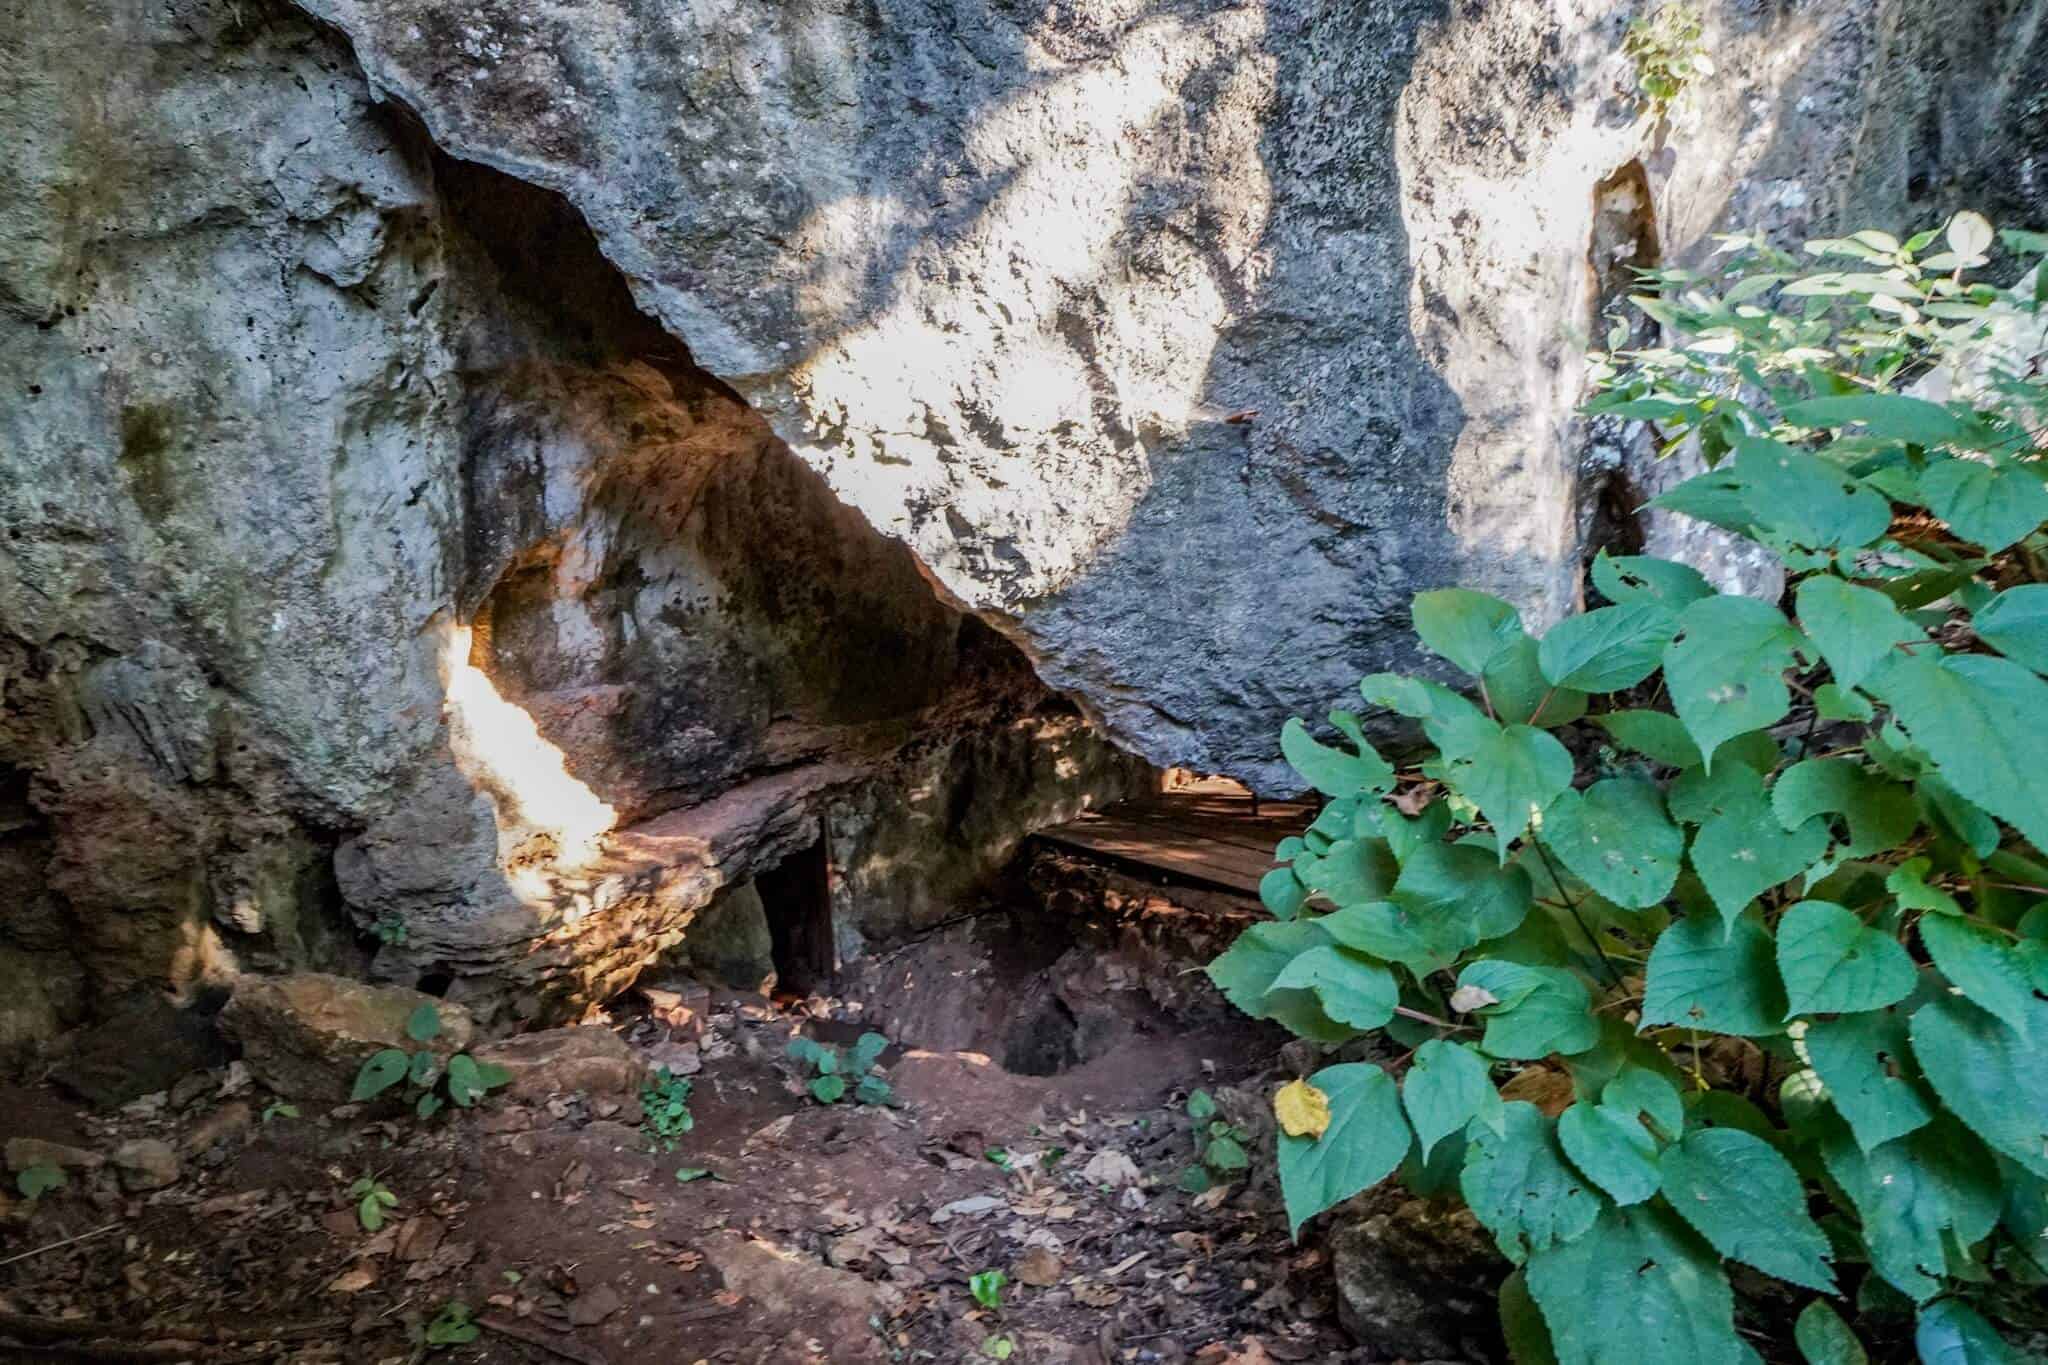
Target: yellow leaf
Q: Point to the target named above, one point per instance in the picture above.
(1303, 1110)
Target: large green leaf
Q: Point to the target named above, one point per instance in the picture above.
(379, 1072)
(1638, 1090)
(1517, 1184)
(1744, 852)
(1352, 988)
(1881, 814)
(1248, 971)
(1617, 839)
(1612, 1149)
(1365, 1141)
(1420, 939)
(1745, 1199)
(1281, 892)
(2015, 623)
(1466, 627)
(1987, 1075)
(1511, 775)
(1979, 717)
(1639, 1289)
(1852, 627)
(1983, 963)
(1697, 796)
(1351, 871)
(1911, 1191)
(1521, 695)
(1447, 1086)
(1714, 497)
(1984, 503)
(1643, 578)
(1701, 977)
(1402, 834)
(1521, 1323)
(1656, 734)
(1802, 498)
(1536, 1010)
(1824, 1339)
(1726, 668)
(1607, 649)
(1450, 722)
(1333, 771)
(1857, 1056)
(1464, 883)
(1832, 963)
(1883, 414)
(1950, 1332)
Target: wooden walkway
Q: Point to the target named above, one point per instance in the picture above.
(1206, 834)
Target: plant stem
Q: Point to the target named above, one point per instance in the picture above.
(1572, 905)
(1419, 1017)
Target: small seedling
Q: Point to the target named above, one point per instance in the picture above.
(987, 1288)
(38, 1180)
(372, 1197)
(686, 1174)
(828, 1086)
(390, 930)
(278, 1109)
(999, 1348)
(665, 1110)
(464, 1080)
(452, 1326)
(1219, 1148)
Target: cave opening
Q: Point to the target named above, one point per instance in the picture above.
(797, 895)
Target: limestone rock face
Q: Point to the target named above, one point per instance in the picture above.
(482, 478)
(370, 561)
(1185, 342)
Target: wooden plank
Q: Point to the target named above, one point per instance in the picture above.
(1182, 861)
(1258, 836)
(1139, 836)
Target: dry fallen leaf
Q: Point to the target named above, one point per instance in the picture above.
(353, 1281)
(1097, 1295)
(1303, 1110)
(1038, 1267)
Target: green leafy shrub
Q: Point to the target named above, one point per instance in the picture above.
(39, 1179)
(1220, 1155)
(372, 1197)
(1669, 51)
(829, 1083)
(452, 1326)
(665, 1109)
(463, 1081)
(1766, 890)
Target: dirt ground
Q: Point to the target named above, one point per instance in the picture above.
(836, 1233)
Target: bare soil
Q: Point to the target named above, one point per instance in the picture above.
(835, 1233)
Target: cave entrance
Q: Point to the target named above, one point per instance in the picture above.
(797, 896)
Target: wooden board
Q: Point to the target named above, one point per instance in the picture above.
(1202, 835)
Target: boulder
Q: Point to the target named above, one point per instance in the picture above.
(146, 1164)
(305, 1035)
(23, 1152)
(142, 1045)
(594, 1061)
(1415, 1278)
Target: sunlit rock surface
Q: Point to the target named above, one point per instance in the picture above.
(1005, 272)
